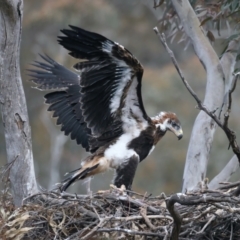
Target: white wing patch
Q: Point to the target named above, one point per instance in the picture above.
(132, 115)
(107, 46)
(115, 101)
(132, 106)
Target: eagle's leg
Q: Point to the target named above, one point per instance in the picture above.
(125, 173)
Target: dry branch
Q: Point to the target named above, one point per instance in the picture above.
(229, 133)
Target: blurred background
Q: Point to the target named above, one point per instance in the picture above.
(131, 24)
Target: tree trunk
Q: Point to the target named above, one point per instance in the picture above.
(13, 103)
(204, 127)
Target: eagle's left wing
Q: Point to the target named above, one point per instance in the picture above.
(110, 81)
(64, 100)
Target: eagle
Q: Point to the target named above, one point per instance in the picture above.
(101, 106)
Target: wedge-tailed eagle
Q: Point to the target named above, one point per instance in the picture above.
(101, 107)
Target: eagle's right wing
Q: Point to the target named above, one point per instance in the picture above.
(111, 100)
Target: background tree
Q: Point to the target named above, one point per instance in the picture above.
(211, 22)
(13, 104)
(161, 86)
(199, 29)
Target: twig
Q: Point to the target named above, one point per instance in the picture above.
(101, 224)
(231, 185)
(160, 2)
(187, 220)
(128, 199)
(208, 222)
(80, 233)
(148, 222)
(229, 105)
(231, 231)
(130, 232)
(236, 192)
(162, 38)
(229, 133)
(5, 170)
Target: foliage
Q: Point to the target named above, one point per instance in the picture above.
(214, 15)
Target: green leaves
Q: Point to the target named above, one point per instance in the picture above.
(219, 18)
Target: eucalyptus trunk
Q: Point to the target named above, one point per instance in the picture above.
(13, 103)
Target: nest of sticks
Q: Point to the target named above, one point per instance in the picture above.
(118, 214)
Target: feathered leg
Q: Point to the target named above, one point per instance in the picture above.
(125, 173)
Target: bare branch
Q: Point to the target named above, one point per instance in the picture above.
(130, 232)
(229, 102)
(162, 38)
(229, 133)
(229, 185)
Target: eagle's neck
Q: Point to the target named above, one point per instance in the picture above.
(158, 135)
(160, 122)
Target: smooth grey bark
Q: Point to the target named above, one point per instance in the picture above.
(231, 167)
(13, 103)
(228, 62)
(204, 127)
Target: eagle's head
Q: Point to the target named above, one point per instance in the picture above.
(168, 121)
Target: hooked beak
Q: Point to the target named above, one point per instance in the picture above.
(178, 133)
(180, 136)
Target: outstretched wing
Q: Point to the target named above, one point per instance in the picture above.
(65, 100)
(110, 82)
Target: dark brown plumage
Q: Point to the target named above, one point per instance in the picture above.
(101, 107)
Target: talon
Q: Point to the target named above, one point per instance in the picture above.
(123, 188)
(103, 191)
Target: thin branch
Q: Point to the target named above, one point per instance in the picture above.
(231, 185)
(229, 133)
(130, 232)
(229, 105)
(205, 226)
(187, 220)
(101, 224)
(143, 213)
(162, 38)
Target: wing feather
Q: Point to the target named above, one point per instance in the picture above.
(65, 104)
(104, 100)
(110, 82)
